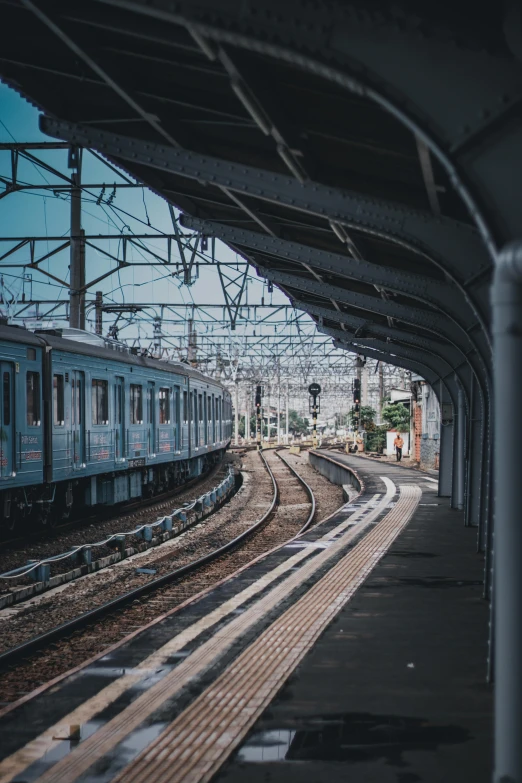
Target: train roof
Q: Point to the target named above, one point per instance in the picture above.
(88, 344)
(16, 334)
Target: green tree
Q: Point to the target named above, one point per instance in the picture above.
(366, 417)
(397, 416)
(376, 438)
(296, 424)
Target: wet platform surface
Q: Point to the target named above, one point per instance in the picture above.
(393, 690)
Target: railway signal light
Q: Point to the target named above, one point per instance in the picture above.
(356, 390)
(259, 394)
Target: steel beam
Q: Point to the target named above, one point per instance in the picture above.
(443, 296)
(364, 325)
(379, 332)
(460, 115)
(454, 247)
(415, 366)
(438, 366)
(427, 319)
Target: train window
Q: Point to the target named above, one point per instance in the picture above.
(164, 406)
(7, 399)
(31, 354)
(58, 401)
(201, 407)
(100, 401)
(33, 398)
(136, 404)
(209, 407)
(185, 407)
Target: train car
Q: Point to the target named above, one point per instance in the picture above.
(85, 421)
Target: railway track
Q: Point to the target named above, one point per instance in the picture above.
(49, 654)
(129, 511)
(91, 530)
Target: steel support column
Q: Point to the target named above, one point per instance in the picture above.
(446, 444)
(459, 459)
(507, 333)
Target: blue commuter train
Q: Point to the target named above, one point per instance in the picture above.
(85, 421)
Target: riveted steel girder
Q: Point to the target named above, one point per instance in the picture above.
(430, 320)
(440, 367)
(415, 366)
(451, 356)
(444, 296)
(453, 246)
(449, 84)
(367, 325)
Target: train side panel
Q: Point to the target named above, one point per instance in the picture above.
(21, 414)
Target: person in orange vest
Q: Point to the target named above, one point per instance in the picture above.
(398, 443)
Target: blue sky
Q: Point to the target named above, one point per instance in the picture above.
(42, 213)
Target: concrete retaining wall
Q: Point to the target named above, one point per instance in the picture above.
(334, 471)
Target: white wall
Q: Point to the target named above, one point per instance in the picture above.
(390, 437)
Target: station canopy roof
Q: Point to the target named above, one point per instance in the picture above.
(329, 195)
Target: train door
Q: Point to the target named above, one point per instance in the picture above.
(78, 419)
(177, 417)
(195, 420)
(151, 416)
(6, 419)
(119, 419)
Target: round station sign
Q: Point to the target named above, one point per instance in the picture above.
(314, 389)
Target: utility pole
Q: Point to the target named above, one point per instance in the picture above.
(268, 413)
(259, 391)
(77, 258)
(192, 344)
(278, 402)
(236, 415)
(364, 385)
(157, 336)
(381, 393)
(287, 412)
(98, 313)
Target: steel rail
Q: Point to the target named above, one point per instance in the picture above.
(308, 491)
(16, 654)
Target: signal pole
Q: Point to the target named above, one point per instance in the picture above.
(356, 408)
(314, 390)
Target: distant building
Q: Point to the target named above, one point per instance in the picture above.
(426, 424)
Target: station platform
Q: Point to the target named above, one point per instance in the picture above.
(355, 653)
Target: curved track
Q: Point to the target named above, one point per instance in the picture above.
(202, 572)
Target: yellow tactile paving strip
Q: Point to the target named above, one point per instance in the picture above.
(37, 748)
(195, 745)
(76, 763)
